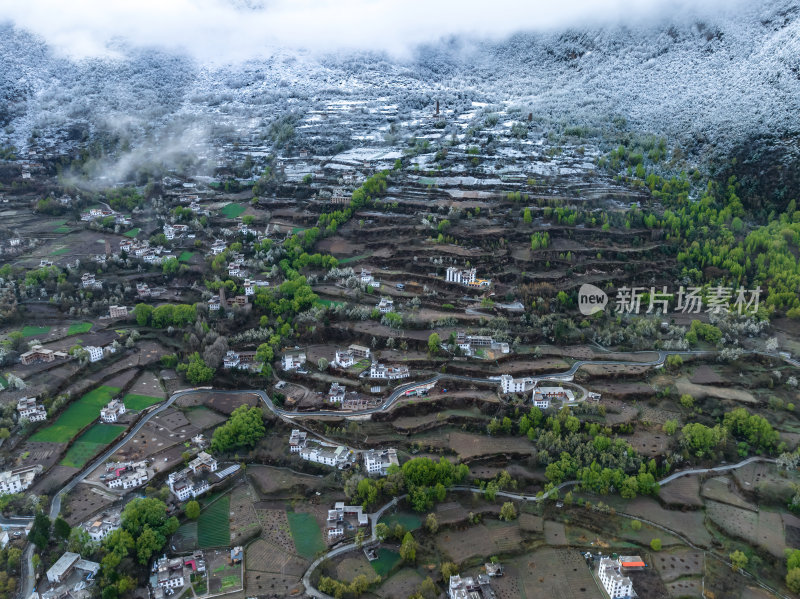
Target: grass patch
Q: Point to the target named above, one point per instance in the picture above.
(62, 229)
(229, 582)
(30, 331)
(133, 232)
(306, 534)
(3, 382)
(298, 230)
(213, 525)
(408, 521)
(387, 560)
(76, 416)
(329, 303)
(79, 327)
(233, 210)
(59, 251)
(90, 443)
(354, 258)
(136, 402)
(185, 256)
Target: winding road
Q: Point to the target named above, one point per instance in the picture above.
(28, 574)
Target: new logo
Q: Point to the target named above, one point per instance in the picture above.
(591, 299)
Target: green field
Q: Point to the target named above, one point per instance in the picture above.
(133, 232)
(354, 258)
(233, 210)
(185, 256)
(306, 534)
(76, 416)
(62, 229)
(139, 402)
(185, 538)
(387, 560)
(213, 525)
(90, 443)
(3, 382)
(59, 251)
(30, 331)
(408, 521)
(297, 230)
(79, 327)
(329, 303)
(230, 582)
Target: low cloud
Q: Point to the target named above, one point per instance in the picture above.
(222, 31)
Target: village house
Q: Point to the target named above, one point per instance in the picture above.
(359, 351)
(377, 461)
(143, 289)
(129, 477)
(294, 359)
(45, 263)
(336, 393)
(68, 563)
(344, 359)
(112, 411)
(169, 574)
(329, 457)
(381, 371)
(18, 479)
(38, 353)
(338, 516)
(218, 247)
(214, 303)
(204, 462)
(88, 281)
(251, 284)
(95, 353)
(468, 587)
(184, 486)
(29, 409)
(235, 270)
(509, 384)
(231, 360)
(102, 526)
(542, 396)
(617, 585)
(117, 311)
(386, 305)
(297, 440)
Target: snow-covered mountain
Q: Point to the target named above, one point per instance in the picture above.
(706, 84)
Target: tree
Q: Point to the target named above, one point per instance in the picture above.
(142, 313)
(381, 531)
(433, 343)
(40, 531)
(508, 511)
(793, 580)
(655, 544)
(738, 560)
(243, 429)
(448, 569)
(431, 523)
(636, 525)
(61, 528)
(408, 548)
(322, 364)
(526, 216)
(197, 372)
(192, 510)
(147, 543)
(170, 265)
(428, 589)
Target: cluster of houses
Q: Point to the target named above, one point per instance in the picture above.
(385, 305)
(541, 397)
(192, 481)
(89, 281)
(368, 279)
(345, 358)
(144, 290)
(611, 573)
(141, 248)
(240, 360)
(102, 525)
(112, 412)
(39, 353)
(376, 461)
(465, 276)
(170, 574)
(381, 371)
(221, 300)
(126, 475)
(469, 587)
(70, 576)
(343, 517)
(94, 214)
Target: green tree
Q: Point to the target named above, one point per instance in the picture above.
(148, 543)
(196, 370)
(169, 266)
(434, 343)
(636, 525)
(243, 429)
(793, 580)
(431, 523)
(448, 569)
(508, 511)
(408, 548)
(738, 560)
(526, 216)
(61, 528)
(192, 510)
(40, 531)
(381, 531)
(655, 544)
(142, 313)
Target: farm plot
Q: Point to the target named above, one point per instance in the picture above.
(677, 564)
(185, 538)
(469, 446)
(244, 523)
(685, 587)
(185, 256)
(32, 331)
(90, 443)
(404, 583)
(555, 533)
(270, 480)
(758, 528)
(719, 489)
(76, 416)
(461, 545)
(213, 525)
(682, 491)
(76, 328)
(531, 523)
(554, 572)
(135, 402)
(232, 210)
(688, 524)
(275, 529)
(354, 565)
(448, 513)
(86, 500)
(203, 418)
(133, 232)
(306, 534)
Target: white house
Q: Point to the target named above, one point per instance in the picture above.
(18, 479)
(30, 410)
(100, 528)
(203, 462)
(458, 275)
(615, 583)
(88, 281)
(231, 360)
(329, 457)
(381, 371)
(112, 411)
(509, 384)
(130, 478)
(218, 247)
(386, 305)
(366, 277)
(542, 396)
(344, 359)
(378, 462)
(292, 360)
(95, 353)
(359, 351)
(336, 393)
(297, 440)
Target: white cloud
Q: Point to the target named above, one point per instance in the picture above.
(227, 31)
